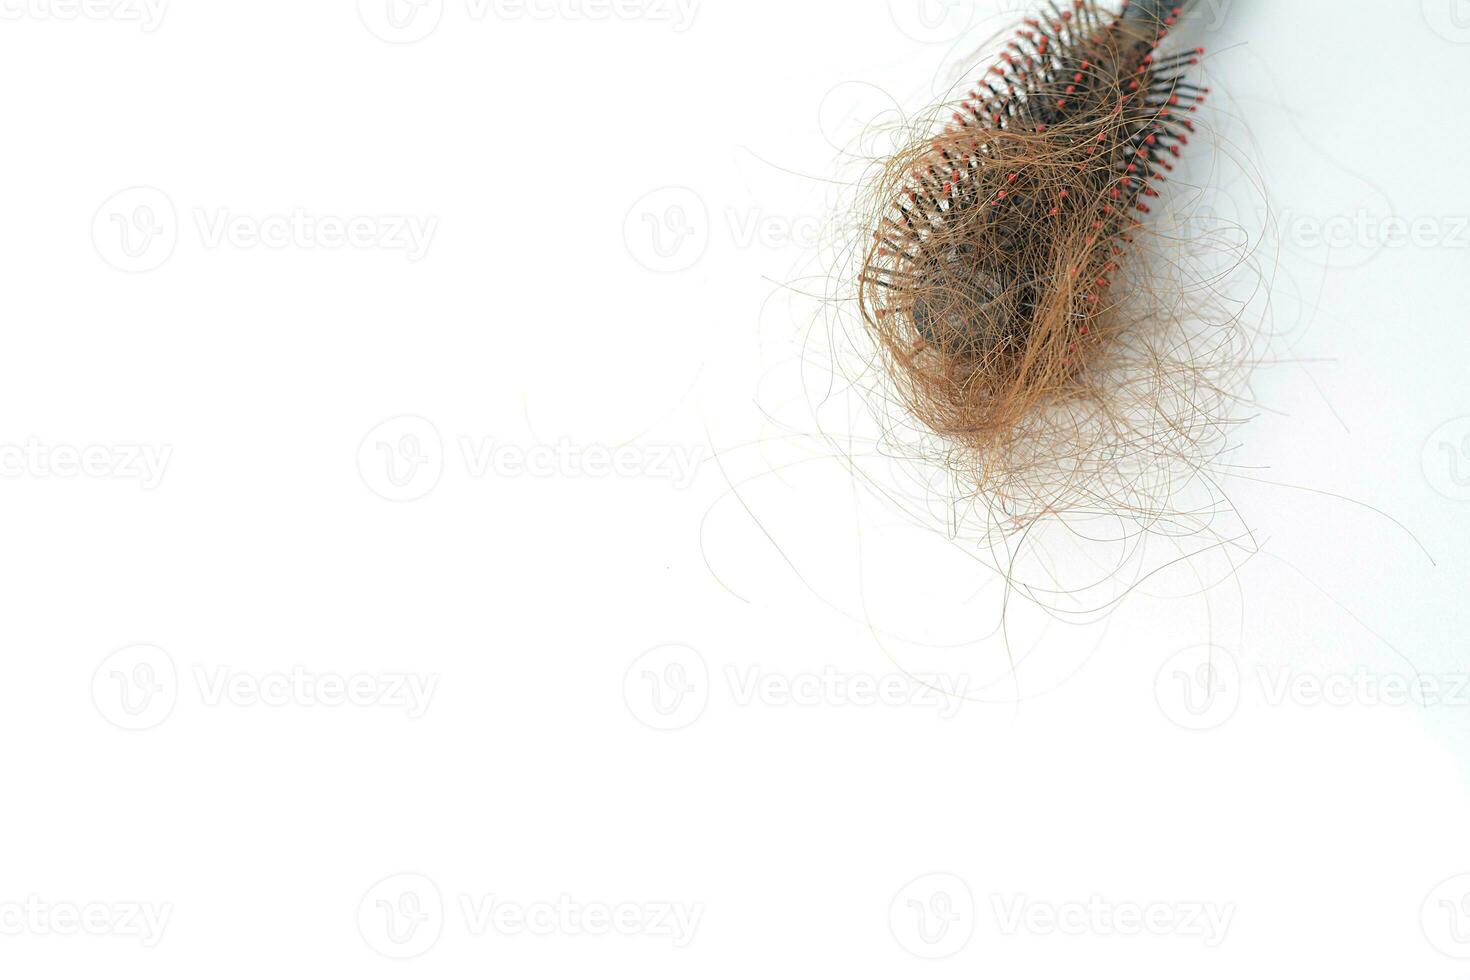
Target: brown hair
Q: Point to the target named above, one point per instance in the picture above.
(1023, 309)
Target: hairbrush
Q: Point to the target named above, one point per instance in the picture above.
(992, 283)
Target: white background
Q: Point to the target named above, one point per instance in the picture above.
(570, 312)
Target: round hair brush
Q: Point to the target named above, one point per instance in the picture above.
(993, 281)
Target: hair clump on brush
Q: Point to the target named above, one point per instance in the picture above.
(1008, 283)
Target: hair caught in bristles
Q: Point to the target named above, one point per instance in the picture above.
(1008, 284)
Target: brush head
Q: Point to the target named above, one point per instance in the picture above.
(989, 283)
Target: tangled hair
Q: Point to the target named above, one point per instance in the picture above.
(1024, 312)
